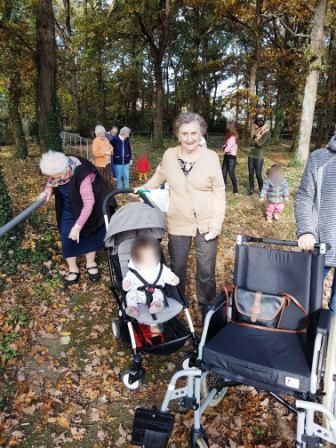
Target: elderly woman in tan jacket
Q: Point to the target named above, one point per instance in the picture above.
(196, 203)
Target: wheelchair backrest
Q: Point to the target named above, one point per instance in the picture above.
(276, 271)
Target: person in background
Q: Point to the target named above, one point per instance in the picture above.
(122, 157)
(79, 193)
(102, 152)
(114, 131)
(315, 210)
(230, 149)
(196, 203)
(143, 166)
(276, 191)
(261, 136)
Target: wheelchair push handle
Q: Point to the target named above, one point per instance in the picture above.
(322, 247)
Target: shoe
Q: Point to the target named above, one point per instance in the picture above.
(276, 216)
(94, 278)
(72, 281)
(156, 307)
(251, 192)
(269, 220)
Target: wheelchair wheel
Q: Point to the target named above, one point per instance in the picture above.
(188, 362)
(201, 443)
(210, 382)
(329, 383)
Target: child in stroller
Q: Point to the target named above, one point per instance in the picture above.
(145, 280)
(131, 229)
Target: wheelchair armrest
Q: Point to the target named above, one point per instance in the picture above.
(324, 322)
(216, 302)
(213, 306)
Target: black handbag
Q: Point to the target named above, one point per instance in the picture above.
(266, 311)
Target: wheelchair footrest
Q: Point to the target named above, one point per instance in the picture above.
(152, 428)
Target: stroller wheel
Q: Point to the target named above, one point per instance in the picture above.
(132, 379)
(210, 382)
(201, 443)
(188, 362)
(115, 328)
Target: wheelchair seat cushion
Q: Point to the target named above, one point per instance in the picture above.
(273, 361)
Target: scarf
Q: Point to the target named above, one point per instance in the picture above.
(73, 162)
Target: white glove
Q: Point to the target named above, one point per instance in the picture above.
(127, 284)
(173, 280)
(210, 236)
(307, 241)
(74, 233)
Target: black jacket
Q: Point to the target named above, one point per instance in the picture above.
(100, 190)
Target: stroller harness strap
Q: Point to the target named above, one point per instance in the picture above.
(149, 288)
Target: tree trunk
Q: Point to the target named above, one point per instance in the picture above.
(21, 151)
(48, 115)
(252, 99)
(159, 99)
(158, 47)
(325, 128)
(310, 91)
(279, 117)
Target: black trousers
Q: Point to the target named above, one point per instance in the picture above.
(179, 247)
(229, 166)
(255, 166)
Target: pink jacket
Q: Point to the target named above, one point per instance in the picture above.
(231, 147)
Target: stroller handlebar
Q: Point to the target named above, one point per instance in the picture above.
(322, 247)
(125, 191)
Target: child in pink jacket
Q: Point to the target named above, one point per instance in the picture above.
(230, 149)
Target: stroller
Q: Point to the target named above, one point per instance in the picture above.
(141, 219)
(288, 352)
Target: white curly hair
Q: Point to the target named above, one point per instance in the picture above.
(53, 163)
(100, 130)
(124, 130)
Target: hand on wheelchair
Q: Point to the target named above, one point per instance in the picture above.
(307, 241)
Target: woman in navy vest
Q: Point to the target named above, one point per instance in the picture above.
(122, 157)
(79, 192)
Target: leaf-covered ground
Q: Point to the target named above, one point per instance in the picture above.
(59, 378)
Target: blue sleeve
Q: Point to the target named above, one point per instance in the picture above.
(130, 149)
(285, 189)
(264, 190)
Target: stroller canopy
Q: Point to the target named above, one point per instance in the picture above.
(132, 220)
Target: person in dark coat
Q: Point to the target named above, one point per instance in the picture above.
(261, 137)
(79, 192)
(122, 157)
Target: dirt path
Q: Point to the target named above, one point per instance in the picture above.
(65, 387)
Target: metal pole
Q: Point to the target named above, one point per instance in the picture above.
(80, 145)
(21, 216)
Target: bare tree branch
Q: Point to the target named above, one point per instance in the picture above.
(284, 24)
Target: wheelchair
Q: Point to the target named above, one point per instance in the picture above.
(298, 363)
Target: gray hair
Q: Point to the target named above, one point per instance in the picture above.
(53, 162)
(124, 130)
(99, 129)
(190, 117)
